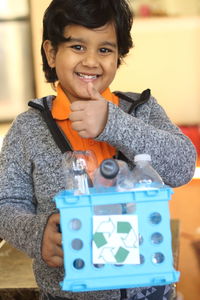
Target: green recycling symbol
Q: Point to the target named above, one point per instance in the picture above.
(115, 239)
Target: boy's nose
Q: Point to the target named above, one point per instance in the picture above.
(90, 60)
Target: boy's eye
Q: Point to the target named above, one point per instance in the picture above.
(105, 50)
(77, 47)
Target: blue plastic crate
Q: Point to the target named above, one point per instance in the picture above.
(153, 242)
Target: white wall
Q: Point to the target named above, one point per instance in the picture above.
(170, 7)
(166, 59)
(182, 7)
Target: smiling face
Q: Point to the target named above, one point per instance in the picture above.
(91, 55)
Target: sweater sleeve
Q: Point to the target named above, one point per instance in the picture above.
(19, 223)
(151, 131)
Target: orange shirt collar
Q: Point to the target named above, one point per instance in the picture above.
(61, 104)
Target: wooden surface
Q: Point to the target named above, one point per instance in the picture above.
(175, 229)
(15, 269)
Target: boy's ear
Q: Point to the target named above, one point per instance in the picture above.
(50, 53)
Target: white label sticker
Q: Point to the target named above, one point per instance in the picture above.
(115, 239)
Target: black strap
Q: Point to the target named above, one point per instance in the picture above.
(56, 132)
(144, 97)
(123, 293)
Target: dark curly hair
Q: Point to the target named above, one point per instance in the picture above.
(90, 14)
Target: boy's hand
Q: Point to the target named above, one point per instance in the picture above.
(52, 252)
(89, 117)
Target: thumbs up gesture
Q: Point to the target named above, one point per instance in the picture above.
(89, 117)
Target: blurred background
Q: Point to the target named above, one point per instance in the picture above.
(165, 58)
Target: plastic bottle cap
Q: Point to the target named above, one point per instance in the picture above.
(140, 157)
(109, 168)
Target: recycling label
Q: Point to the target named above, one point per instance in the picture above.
(115, 239)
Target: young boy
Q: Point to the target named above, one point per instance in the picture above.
(84, 42)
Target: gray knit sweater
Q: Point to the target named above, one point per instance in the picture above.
(31, 174)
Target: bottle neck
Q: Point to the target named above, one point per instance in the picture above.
(143, 163)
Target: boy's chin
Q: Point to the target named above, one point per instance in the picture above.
(82, 97)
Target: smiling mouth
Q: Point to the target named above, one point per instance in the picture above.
(87, 76)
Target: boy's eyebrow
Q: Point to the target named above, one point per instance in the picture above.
(80, 40)
(106, 43)
(75, 40)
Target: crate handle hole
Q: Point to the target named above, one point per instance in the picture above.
(75, 224)
(78, 263)
(77, 244)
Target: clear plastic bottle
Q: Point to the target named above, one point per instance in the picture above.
(78, 168)
(112, 173)
(144, 175)
(124, 181)
(80, 177)
(105, 176)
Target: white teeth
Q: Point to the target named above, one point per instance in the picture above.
(87, 76)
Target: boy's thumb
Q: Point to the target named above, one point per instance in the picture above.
(93, 93)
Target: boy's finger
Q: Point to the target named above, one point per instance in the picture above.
(59, 251)
(57, 239)
(93, 93)
(55, 218)
(76, 116)
(77, 106)
(56, 261)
